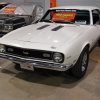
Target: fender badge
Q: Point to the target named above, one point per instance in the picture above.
(53, 47)
(68, 57)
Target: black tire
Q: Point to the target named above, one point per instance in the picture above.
(17, 66)
(99, 42)
(79, 69)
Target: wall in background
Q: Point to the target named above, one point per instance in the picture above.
(46, 3)
(79, 2)
(63, 2)
(12, 1)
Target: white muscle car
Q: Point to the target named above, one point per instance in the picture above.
(61, 40)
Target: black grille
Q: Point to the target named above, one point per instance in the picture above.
(1, 27)
(27, 53)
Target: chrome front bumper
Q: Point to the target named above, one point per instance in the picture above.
(37, 64)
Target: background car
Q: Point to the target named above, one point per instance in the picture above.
(14, 16)
(3, 4)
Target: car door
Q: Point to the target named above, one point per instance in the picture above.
(96, 23)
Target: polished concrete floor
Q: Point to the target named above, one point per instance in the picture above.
(47, 85)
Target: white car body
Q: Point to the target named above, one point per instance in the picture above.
(70, 40)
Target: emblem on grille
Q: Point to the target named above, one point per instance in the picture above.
(26, 53)
(10, 49)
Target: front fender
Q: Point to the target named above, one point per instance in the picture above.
(73, 50)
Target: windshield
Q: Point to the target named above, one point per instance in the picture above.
(3, 5)
(19, 9)
(67, 16)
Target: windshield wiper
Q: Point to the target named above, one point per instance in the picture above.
(52, 21)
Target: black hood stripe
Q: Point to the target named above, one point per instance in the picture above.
(57, 28)
(42, 27)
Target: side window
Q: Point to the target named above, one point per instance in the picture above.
(96, 16)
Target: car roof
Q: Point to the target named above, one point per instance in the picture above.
(76, 7)
(1, 3)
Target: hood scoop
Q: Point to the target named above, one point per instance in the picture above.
(42, 27)
(57, 28)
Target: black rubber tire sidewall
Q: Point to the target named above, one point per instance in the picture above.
(77, 68)
(17, 66)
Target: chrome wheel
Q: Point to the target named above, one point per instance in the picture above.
(84, 62)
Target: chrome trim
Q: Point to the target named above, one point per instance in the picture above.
(24, 58)
(37, 64)
(19, 23)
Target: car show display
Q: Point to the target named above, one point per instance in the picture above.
(60, 41)
(14, 16)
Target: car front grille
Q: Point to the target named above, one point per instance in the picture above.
(1, 27)
(28, 53)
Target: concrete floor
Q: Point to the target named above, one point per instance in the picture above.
(45, 85)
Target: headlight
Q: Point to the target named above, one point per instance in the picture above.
(2, 48)
(8, 27)
(57, 57)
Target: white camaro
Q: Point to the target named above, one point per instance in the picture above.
(61, 40)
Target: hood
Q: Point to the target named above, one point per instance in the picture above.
(44, 33)
(3, 18)
(8, 18)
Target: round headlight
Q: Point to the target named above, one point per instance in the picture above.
(57, 57)
(8, 27)
(2, 48)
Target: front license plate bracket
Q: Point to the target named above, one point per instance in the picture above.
(27, 67)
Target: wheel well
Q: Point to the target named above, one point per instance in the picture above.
(84, 47)
(87, 46)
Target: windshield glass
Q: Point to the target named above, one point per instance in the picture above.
(3, 5)
(67, 16)
(9, 9)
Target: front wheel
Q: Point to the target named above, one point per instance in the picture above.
(99, 42)
(79, 69)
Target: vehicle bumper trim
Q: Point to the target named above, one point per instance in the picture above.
(38, 64)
